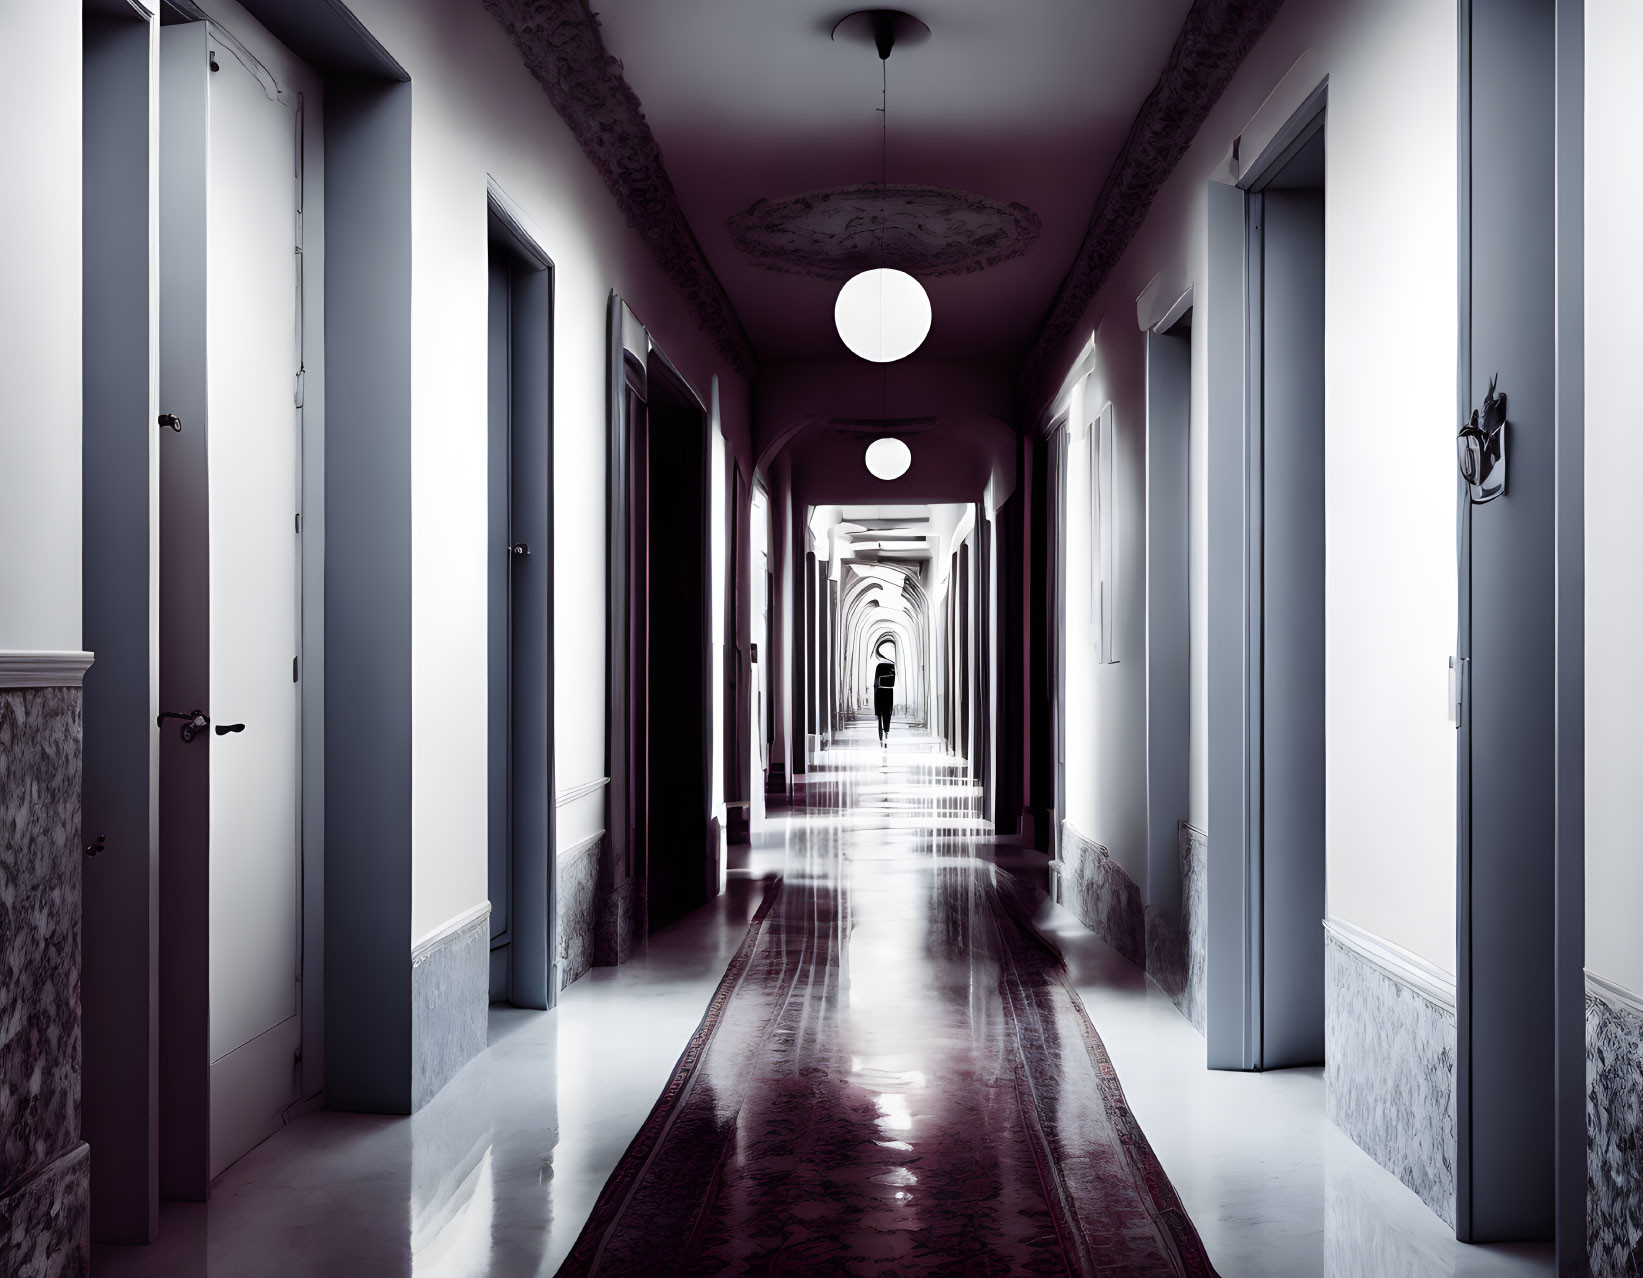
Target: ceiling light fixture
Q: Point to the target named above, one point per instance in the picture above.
(888, 458)
(882, 314)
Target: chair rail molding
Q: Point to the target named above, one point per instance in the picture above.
(576, 792)
(30, 668)
(1407, 969)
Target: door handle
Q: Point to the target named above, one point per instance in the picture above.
(194, 722)
(519, 549)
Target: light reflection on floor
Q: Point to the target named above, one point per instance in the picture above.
(496, 1175)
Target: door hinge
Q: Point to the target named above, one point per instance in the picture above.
(299, 523)
(293, 669)
(299, 389)
(1457, 690)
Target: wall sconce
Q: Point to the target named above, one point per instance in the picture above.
(1481, 447)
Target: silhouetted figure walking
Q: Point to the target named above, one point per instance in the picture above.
(884, 698)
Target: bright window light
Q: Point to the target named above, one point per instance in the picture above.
(889, 458)
(883, 315)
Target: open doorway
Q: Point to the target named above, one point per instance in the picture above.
(759, 696)
(1267, 903)
(519, 559)
(1169, 664)
(676, 714)
(661, 607)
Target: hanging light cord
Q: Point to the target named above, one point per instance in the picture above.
(884, 210)
(884, 152)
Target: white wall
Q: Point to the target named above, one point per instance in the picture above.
(1105, 732)
(40, 328)
(1390, 373)
(1614, 516)
(478, 113)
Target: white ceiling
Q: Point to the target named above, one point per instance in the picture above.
(1020, 100)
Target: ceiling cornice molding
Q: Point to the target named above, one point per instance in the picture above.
(562, 47)
(1214, 40)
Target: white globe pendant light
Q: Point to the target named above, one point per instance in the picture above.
(888, 458)
(883, 315)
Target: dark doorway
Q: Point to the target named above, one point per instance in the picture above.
(676, 712)
(1169, 673)
(519, 570)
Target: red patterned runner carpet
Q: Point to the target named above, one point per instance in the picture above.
(953, 1114)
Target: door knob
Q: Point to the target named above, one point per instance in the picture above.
(520, 549)
(171, 420)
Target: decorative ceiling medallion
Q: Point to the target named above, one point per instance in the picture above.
(924, 230)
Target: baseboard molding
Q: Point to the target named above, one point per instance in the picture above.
(1614, 1128)
(1390, 1059)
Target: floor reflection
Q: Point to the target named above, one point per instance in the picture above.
(498, 1175)
(896, 1080)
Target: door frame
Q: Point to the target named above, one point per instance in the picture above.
(1565, 251)
(533, 969)
(1168, 620)
(1234, 310)
(1056, 609)
(1570, 673)
(120, 565)
(185, 1082)
(634, 360)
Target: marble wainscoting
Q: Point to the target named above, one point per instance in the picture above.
(1101, 893)
(44, 1171)
(450, 1000)
(1614, 1128)
(1389, 1059)
(620, 925)
(1178, 949)
(578, 907)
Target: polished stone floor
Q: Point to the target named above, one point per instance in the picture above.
(498, 1175)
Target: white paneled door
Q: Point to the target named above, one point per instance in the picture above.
(230, 606)
(254, 449)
